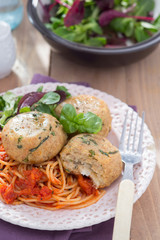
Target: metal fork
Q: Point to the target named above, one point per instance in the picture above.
(130, 156)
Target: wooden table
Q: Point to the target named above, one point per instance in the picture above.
(136, 84)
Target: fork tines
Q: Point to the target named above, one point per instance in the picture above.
(132, 126)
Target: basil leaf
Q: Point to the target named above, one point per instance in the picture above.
(52, 110)
(88, 122)
(82, 122)
(50, 98)
(67, 116)
(68, 125)
(68, 112)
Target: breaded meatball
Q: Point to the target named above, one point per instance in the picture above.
(94, 156)
(86, 103)
(33, 137)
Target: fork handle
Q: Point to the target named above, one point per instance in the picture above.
(124, 208)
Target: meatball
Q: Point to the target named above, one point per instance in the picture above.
(94, 156)
(33, 137)
(86, 103)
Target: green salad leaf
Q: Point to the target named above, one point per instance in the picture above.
(148, 26)
(124, 3)
(50, 98)
(64, 89)
(79, 33)
(123, 25)
(41, 107)
(143, 7)
(44, 108)
(40, 89)
(8, 106)
(25, 109)
(140, 34)
(139, 31)
(2, 103)
(100, 24)
(82, 122)
(157, 23)
(96, 41)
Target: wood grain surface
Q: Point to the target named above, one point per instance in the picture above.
(136, 84)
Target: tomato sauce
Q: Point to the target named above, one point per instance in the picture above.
(29, 185)
(87, 185)
(8, 193)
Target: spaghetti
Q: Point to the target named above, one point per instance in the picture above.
(45, 185)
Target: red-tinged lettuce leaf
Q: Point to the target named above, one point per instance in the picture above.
(105, 4)
(114, 46)
(116, 41)
(29, 99)
(46, 10)
(62, 94)
(75, 13)
(106, 17)
(130, 9)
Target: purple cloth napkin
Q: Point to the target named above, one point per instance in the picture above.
(38, 78)
(102, 231)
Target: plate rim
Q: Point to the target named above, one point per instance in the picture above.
(104, 218)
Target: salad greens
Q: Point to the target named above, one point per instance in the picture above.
(46, 102)
(25, 109)
(50, 98)
(40, 89)
(98, 23)
(143, 7)
(64, 89)
(8, 107)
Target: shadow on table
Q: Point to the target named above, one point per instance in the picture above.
(110, 61)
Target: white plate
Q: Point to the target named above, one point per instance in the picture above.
(104, 209)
